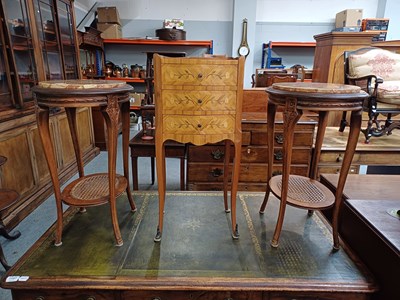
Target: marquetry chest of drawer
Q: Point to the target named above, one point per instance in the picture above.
(205, 163)
(200, 101)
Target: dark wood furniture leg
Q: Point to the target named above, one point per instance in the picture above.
(7, 198)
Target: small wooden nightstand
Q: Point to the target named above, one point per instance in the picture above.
(198, 101)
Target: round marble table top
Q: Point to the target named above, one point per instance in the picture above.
(81, 84)
(316, 87)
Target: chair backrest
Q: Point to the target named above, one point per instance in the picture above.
(373, 61)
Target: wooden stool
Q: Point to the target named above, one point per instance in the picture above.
(146, 148)
(301, 191)
(7, 198)
(113, 99)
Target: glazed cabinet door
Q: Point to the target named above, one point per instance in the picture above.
(19, 45)
(68, 40)
(55, 29)
(6, 92)
(38, 41)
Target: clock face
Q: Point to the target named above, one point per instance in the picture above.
(243, 51)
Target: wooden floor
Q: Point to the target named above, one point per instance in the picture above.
(196, 259)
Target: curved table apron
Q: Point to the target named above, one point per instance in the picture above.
(113, 99)
(300, 191)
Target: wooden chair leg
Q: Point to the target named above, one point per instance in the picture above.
(9, 236)
(3, 260)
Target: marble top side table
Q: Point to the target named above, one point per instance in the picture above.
(96, 189)
(307, 192)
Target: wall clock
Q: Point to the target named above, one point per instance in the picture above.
(244, 49)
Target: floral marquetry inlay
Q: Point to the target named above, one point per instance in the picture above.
(200, 75)
(200, 100)
(199, 125)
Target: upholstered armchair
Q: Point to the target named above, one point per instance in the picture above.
(377, 71)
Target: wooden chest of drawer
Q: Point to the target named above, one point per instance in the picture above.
(250, 154)
(200, 100)
(205, 163)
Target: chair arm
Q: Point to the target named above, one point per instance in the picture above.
(372, 83)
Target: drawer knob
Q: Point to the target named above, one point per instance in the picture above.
(39, 298)
(200, 76)
(217, 154)
(279, 138)
(199, 126)
(156, 298)
(278, 155)
(199, 101)
(248, 150)
(91, 298)
(217, 172)
(339, 158)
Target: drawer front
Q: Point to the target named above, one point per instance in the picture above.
(300, 127)
(198, 125)
(175, 101)
(301, 139)
(203, 172)
(208, 153)
(331, 169)
(212, 74)
(362, 158)
(254, 154)
(65, 295)
(250, 154)
(191, 295)
(258, 172)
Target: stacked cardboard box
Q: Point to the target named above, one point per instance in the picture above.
(109, 22)
(349, 20)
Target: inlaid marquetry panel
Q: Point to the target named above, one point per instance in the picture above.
(177, 101)
(198, 73)
(190, 125)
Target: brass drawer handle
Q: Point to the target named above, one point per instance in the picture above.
(278, 155)
(279, 138)
(199, 101)
(200, 76)
(217, 154)
(217, 172)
